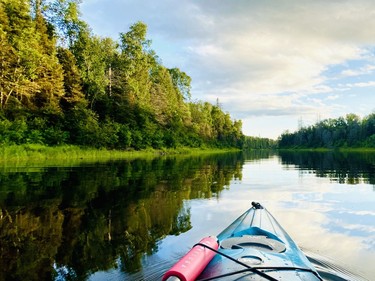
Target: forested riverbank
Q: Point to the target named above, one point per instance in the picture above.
(62, 84)
(349, 132)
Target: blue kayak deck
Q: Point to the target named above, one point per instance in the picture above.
(254, 245)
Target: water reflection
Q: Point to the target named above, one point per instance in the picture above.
(61, 222)
(91, 221)
(347, 167)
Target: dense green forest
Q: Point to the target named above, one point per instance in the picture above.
(351, 131)
(258, 143)
(61, 84)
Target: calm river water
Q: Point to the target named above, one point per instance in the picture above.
(132, 220)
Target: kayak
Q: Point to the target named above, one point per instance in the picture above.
(253, 247)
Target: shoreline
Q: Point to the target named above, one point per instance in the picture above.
(37, 154)
(72, 154)
(323, 149)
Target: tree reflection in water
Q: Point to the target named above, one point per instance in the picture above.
(70, 222)
(66, 223)
(348, 167)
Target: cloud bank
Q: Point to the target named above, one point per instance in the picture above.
(260, 58)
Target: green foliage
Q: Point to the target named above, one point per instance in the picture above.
(350, 131)
(72, 80)
(259, 143)
(182, 82)
(63, 15)
(94, 56)
(33, 77)
(13, 132)
(370, 141)
(60, 84)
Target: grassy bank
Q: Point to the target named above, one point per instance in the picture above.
(69, 154)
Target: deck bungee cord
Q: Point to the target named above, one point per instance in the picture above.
(252, 269)
(248, 267)
(253, 247)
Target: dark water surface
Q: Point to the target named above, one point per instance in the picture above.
(131, 220)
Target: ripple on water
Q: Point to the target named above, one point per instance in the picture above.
(331, 270)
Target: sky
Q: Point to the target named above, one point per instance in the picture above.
(274, 64)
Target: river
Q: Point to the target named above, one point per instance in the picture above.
(131, 220)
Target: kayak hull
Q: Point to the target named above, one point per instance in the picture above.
(253, 247)
(258, 241)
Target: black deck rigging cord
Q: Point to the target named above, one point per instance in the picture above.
(248, 268)
(252, 269)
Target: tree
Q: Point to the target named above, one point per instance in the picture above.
(14, 85)
(201, 120)
(136, 58)
(35, 80)
(64, 16)
(369, 125)
(160, 91)
(340, 132)
(9, 71)
(354, 129)
(95, 56)
(182, 82)
(72, 80)
(59, 83)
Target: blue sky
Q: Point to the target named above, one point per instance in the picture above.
(270, 63)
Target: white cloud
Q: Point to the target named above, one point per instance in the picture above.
(332, 97)
(367, 69)
(264, 57)
(362, 84)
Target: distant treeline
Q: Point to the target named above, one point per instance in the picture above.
(60, 84)
(351, 131)
(259, 143)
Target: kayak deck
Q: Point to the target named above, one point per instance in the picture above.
(256, 247)
(253, 247)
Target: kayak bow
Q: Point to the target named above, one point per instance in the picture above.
(253, 247)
